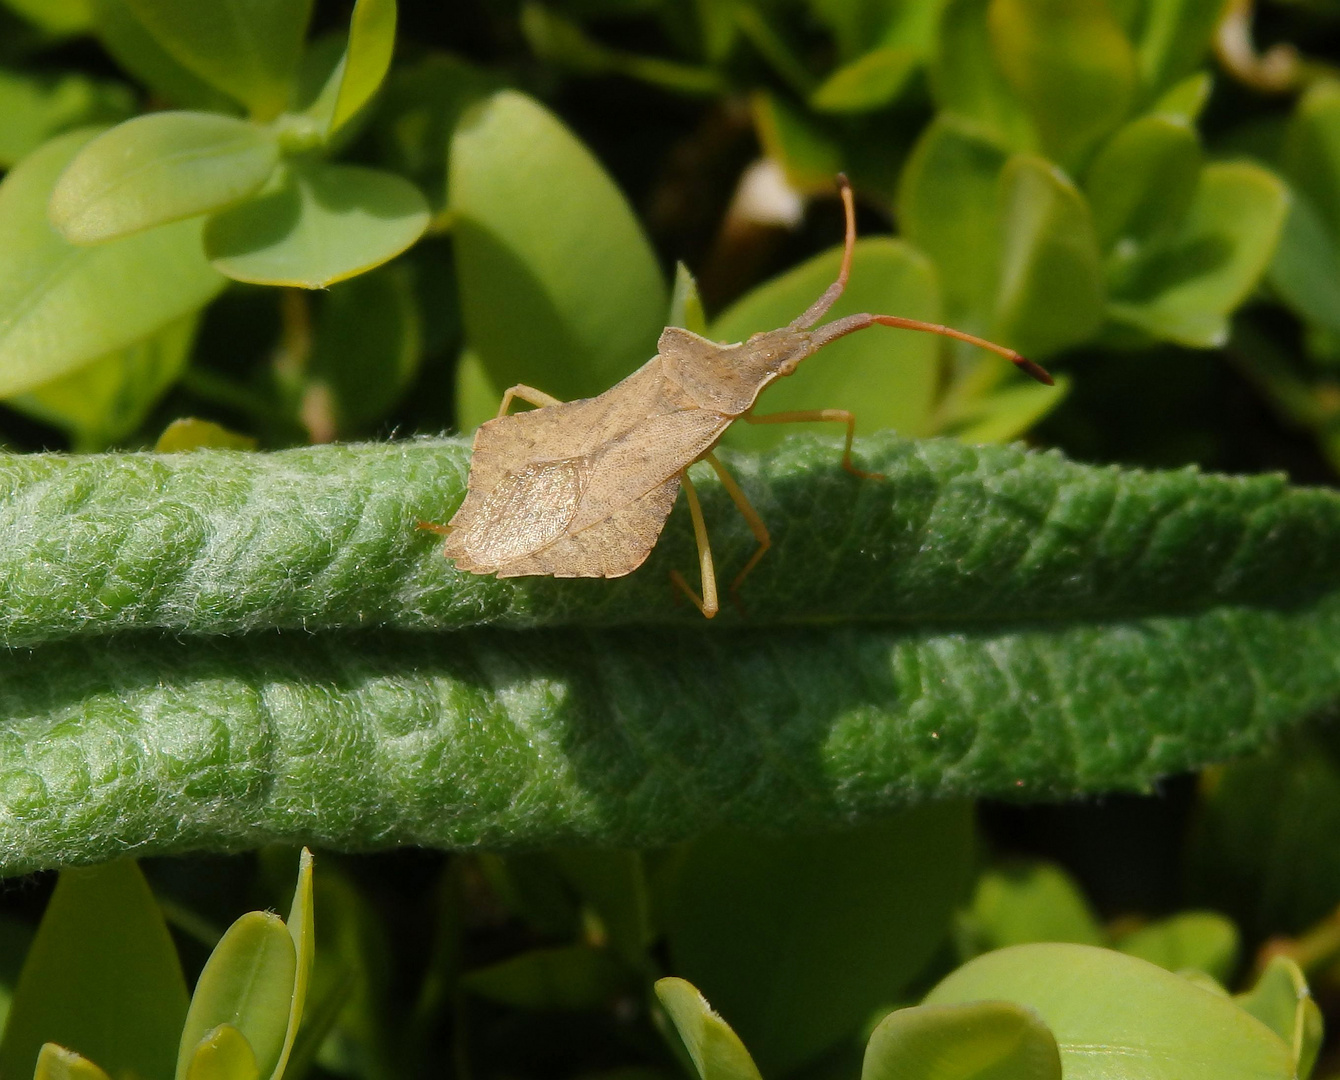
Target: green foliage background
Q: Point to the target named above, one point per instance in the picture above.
(264, 265)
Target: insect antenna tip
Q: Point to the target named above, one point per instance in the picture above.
(1032, 370)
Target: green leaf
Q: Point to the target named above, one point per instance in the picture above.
(1051, 286)
(1114, 1015)
(367, 345)
(1310, 156)
(716, 1050)
(868, 82)
(159, 168)
(1200, 940)
(1016, 905)
(105, 401)
(1184, 289)
(56, 1063)
(686, 306)
(1305, 271)
(189, 433)
(248, 982)
(117, 999)
(798, 940)
(223, 1054)
(58, 18)
(1186, 100)
(614, 883)
(366, 60)
(35, 107)
(887, 378)
(476, 395)
(949, 207)
(988, 1040)
(1142, 181)
(138, 52)
(559, 288)
(318, 225)
(986, 621)
(570, 978)
(1173, 40)
(303, 933)
(997, 414)
(62, 306)
(247, 48)
(1281, 1000)
(967, 80)
(1071, 65)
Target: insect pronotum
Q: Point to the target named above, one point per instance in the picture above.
(583, 488)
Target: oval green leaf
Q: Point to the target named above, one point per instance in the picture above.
(985, 1040)
(62, 306)
(56, 1063)
(190, 433)
(1201, 940)
(159, 168)
(868, 82)
(302, 929)
(223, 1054)
(1143, 180)
(117, 999)
(360, 69)
(1015, 905)
(809, 155)
(1184, 289)
(320, 224)
(138, 52)
(967, 79)
(1072, 66)
(247, 48)
(559, 287)
(1116, 1016)
(570, 978)
(1050, 294)
(1282, 1001)
(717, 1052)
(799, 940)
(1173, 40)
(248, 982)
(887, 378)
(34, 107)
(1305, 271)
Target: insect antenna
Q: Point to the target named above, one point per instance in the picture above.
(819, 308)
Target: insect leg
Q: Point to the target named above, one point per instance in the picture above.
(750, 516)
(527, 394)
(428, 526)
(708, 603)
(840, 416)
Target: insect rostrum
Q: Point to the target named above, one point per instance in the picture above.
(583, 488)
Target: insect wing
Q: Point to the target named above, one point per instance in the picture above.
(522, 513)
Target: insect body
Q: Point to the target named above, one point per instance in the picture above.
(583, 488)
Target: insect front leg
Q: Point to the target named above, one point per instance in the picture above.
(751, 518)
(529, 395)
(839, 416)
(707, 604)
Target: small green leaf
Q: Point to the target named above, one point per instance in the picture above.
(1184, 289)
(62, 306)
(58, 18)
(809, 156)
(477, 396)
(717, 1052)
(968, 83)
(117, 999)
(302, 930)
(1310, 156)
(614, 883)
(1282, 1001)
(1116, 1016)
(159, 168)
(106, 400)
(798, 940)
(34, 107)
(1201, 940)
(366, 60)
(888, 378)
(248, 982)
(1071, 65)
(686, 306)
(868, 82)
(998, 414)
(367, 345)
(1173, 40)
(1143, 180)
(138, 52)
(1050, 294)
(223, 1054)
(321, 223)
(189, 433)
(949, 207)
(56, 1063)
(559, 287)
(247, 48)
(1016, 905)
(569, 978)
(1186, 100)
(1305, 271)
(987, 1040)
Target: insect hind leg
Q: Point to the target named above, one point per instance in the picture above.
(752, 519)
(708, 603)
